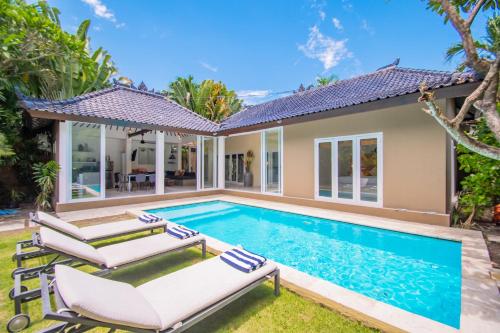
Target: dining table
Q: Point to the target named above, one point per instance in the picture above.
(132, 175)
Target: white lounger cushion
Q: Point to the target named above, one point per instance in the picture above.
(117, 228)
(60, 242)
(178, 295)
(104, 230)
(105, 300)
(58, 224)
(116, 254)
(141, 248)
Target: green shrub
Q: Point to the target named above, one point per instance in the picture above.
(44, 175)
(481, 186)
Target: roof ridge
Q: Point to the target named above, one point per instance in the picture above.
(435, 71)
(163, 97)
(305, 92)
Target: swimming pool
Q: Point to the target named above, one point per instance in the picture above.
(415, 273)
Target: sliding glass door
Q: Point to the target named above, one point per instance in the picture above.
(234, 168)
(349, 169)
(324, 156)
(86, 161)
(272, 142)
(209, 162)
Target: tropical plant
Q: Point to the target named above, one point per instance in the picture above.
(5, 149)
(44, 175)
(249, 160)
(15, 198)
(209, 99)
(38, 58)
(326, 80)
(481, 56)
(481, 186)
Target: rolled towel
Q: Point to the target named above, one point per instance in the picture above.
(181, 232)
(243, 260)
(149, 218)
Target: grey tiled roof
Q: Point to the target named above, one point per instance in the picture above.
(132, 105)
(126, 104)
(384, 83)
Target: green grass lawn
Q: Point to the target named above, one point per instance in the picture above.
(257, 311)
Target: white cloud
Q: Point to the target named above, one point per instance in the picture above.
(252, 97)
(337, 24)
(102, 11)
(322, 15)
(208, 67)
(347, 6)
(366, 27)
(324, 48)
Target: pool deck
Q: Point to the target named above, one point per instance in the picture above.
(480, 308)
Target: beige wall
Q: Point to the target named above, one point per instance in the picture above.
(241, 144)
(414, 155)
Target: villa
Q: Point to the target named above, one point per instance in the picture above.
(360, 145)
(325, 183)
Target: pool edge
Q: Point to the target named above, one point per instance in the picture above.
(476, 279)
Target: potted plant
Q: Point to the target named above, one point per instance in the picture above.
(248, 176)
(44, 175)
(15, 198)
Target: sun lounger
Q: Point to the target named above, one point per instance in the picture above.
(107, 258)
(96, 232)
(86, 234)
(171, 303)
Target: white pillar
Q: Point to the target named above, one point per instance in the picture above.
(102, 193)
(199, 160)
(160, 162)
(63, 159)
(221, 165)
(179, 156)
(128, 155)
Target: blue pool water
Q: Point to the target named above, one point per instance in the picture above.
(415, 273)
(95, 187)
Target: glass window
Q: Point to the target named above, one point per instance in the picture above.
(208, 162)
(85, 160)
(325, 169)
(227, 168)
(241, 160)
(355, 161)
(368, 171)
(272, 159)
(344, 165)
(233, 168)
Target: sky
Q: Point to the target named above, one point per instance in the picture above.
(262, 49)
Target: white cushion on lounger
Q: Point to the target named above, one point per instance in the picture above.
(117, 228)
(58, 224)
(141, 248)
(178, 295)
(105, 300)
(60, 242)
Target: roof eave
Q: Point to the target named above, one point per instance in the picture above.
(440, 93)
(112, 122)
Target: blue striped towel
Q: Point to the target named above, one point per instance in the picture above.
(149, 218)
(181, 232)
(243, 260)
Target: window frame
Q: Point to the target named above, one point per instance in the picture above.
(69, 164)
(356, 139)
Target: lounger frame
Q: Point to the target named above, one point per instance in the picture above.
(20, 296)
(22, 255)
(74, 323)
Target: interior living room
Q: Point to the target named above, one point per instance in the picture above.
(130, 162)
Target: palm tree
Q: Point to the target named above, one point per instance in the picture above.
(326, 80)
(80, 72)
(209, 99)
